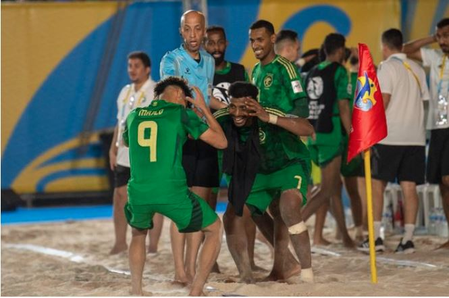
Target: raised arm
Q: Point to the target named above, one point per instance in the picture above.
(214, 136)
(413, 48)
(298, 126)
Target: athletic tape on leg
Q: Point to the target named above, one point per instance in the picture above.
(298, 228)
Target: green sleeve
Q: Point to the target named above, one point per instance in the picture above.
(246, 76)
(342, 84)
(294, 86)
(193, 124)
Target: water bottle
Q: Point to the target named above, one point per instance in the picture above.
(387, 221)
(443, 225)
(432, 221)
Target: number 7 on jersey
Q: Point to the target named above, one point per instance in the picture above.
(148, 142)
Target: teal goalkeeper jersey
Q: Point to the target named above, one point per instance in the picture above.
(156, 135)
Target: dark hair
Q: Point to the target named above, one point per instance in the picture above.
(443, 23)
(243, 89)
(333, 42)
(393, 39)
(311, 63)
(142, 56)
(172, 81)
(263, 24)
(216, 29)
(286, 34)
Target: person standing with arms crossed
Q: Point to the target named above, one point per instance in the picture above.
(438, 119)
(197, 67)
(137, 94)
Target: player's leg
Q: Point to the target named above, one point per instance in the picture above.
(444, 188)
(140, 219)
(320, 219)
(137, 258)
(237, 241)
(351, 185)
(119, 201)
(155, 233)
(177, 240)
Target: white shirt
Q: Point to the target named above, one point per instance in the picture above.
(405, 111)
(128, 100)
(434, 59)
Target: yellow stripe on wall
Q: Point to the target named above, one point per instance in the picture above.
(36, 37)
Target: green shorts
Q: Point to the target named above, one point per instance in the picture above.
(355, 167)
(268, 187)
(190, 215)
(322, 155)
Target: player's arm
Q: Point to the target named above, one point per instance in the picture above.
(386, 99)
(216, 104)
(214, 136)
(113, 150)
(413, 48)
(168, 66)
(345, 114)
(298, 126)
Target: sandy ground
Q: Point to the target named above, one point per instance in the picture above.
(79, 265)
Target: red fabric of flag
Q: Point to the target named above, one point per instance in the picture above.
(369, 124)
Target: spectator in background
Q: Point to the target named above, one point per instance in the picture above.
(288, 46)
(401, 155)
(438, 119)
(327, 89)
(137, 94)
(197, 67)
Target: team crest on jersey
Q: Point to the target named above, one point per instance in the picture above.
(220, 91)
(262, 136)
(268, 80)
(364, 99)
(187, 71)
(315, 87)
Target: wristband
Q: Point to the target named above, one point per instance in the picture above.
(273, 119)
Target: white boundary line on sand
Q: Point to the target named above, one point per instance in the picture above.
(80, 259)
(407, 263)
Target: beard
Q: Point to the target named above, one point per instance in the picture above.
(219, 60)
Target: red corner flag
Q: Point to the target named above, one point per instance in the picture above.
(369, 124)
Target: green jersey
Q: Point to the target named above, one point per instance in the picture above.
(155, 136)
(343, 89)
(281, 92)
(281, 87)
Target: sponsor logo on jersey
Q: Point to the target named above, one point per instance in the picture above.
(296, 86)
(268, 80)
(315, 87)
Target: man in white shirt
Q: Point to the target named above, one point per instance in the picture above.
(437, 121)
(137, 94)
(401, 155)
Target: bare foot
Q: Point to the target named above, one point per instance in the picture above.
(197, 294)
(348, 243)
(180, 280)
(247, 279)
(444, 245)
(254, 267)
(140, 293)
(152, 250)
(118, 248)
(276, 276)
(321, 242)
(215, 268)
(179, 283)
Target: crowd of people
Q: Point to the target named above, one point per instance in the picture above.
(170, 151)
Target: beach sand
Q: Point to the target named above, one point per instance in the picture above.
(71, 259)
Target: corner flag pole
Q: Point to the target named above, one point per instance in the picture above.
(369, 202)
